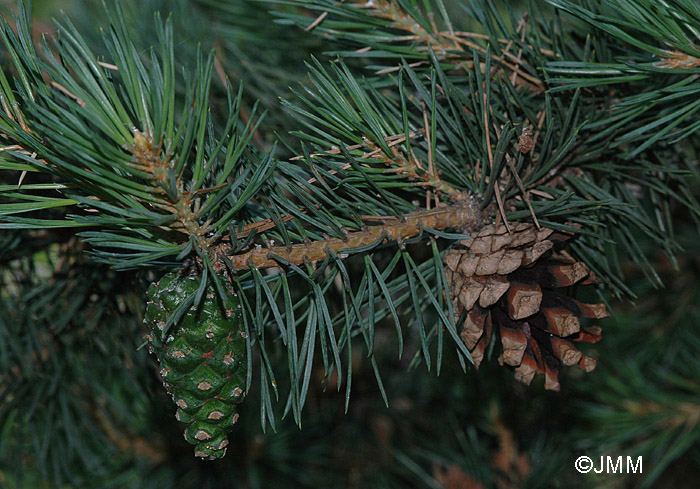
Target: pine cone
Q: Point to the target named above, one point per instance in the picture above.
(202, 359)
(508, 281)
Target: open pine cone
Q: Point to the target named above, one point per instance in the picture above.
(508, 281)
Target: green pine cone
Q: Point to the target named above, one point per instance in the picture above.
(202, 359)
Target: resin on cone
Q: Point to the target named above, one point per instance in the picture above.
(202, 358)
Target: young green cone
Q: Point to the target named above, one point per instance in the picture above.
(202, 359)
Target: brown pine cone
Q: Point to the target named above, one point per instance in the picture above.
(508, 281)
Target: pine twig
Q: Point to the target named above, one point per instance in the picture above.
(459, 216)
(678, 60)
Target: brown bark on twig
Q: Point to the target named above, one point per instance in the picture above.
(457, 217)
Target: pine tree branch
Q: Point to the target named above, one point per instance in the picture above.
(462, 216)
(427, 37)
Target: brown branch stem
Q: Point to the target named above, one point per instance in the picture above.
(462, 216)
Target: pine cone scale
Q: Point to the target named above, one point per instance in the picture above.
(507, 281)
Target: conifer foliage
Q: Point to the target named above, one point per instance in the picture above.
(319, 191)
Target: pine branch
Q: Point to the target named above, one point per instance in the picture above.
(327, 251)
(402, 30)
(162, 181)
(455, 217)
(652, 48)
